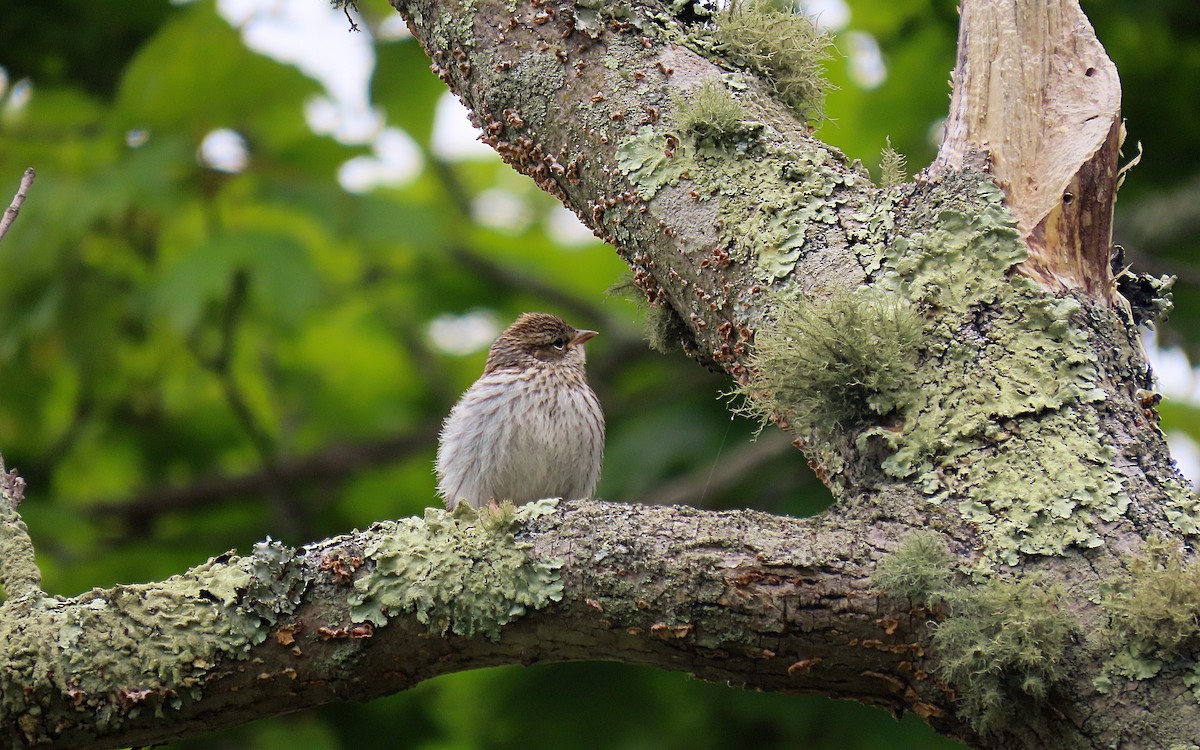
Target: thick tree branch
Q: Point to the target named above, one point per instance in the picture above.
(766, 602)
(1016, 408)
(1006, 412)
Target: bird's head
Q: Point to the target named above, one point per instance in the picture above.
(538, 340)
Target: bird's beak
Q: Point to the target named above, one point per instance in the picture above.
(582, 337)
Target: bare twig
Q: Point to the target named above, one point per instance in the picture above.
(14, 208)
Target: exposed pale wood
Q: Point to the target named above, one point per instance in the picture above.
(1036, 95)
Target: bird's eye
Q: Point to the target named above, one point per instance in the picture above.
(560, 343)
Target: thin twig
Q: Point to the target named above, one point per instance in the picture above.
(14, 208)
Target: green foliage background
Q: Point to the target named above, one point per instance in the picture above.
(259, 339)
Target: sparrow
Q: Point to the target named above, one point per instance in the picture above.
(531, 427)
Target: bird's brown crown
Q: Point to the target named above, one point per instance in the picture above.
(536, 338)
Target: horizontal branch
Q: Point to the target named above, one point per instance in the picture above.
(741, 597)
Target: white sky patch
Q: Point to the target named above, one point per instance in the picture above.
(1187, 456)
(867, 67)
(1176, 379)
(464, 334)
(18, 97)
(502, 210)
(833, 15)
(396, 161)
(316, 38)
(454, 137)
(341, 120)
(393, 29)
(936, 132)
(566, 230)
(1174, 375)
(224, 150)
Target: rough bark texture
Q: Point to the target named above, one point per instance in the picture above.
(995, 484)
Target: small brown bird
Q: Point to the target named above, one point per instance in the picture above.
(531, 427)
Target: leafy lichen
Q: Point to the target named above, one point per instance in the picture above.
(771, 199)
(131, 648)
(649, 163)
(457, 572)
(998, 420)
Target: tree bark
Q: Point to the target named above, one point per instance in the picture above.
(992, 494)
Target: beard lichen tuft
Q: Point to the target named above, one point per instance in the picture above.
(1003, 648)
(919, 569)
(1156, 607)
(711, 114)
(837, 362)
(783, 46)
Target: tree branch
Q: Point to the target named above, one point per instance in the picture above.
(932, 388)
(886, 327)
(769, 603)
(334, 463)
(14, 208)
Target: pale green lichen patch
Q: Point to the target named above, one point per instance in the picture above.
(976, 382)
(148, 645)
(457, 572)
(771, 199)
(649, 161)
(1182, 508)
(998, 420)
(1003, 648)
(1041, 492)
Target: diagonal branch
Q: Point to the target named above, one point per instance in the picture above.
(332, 464)
(14, 208)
